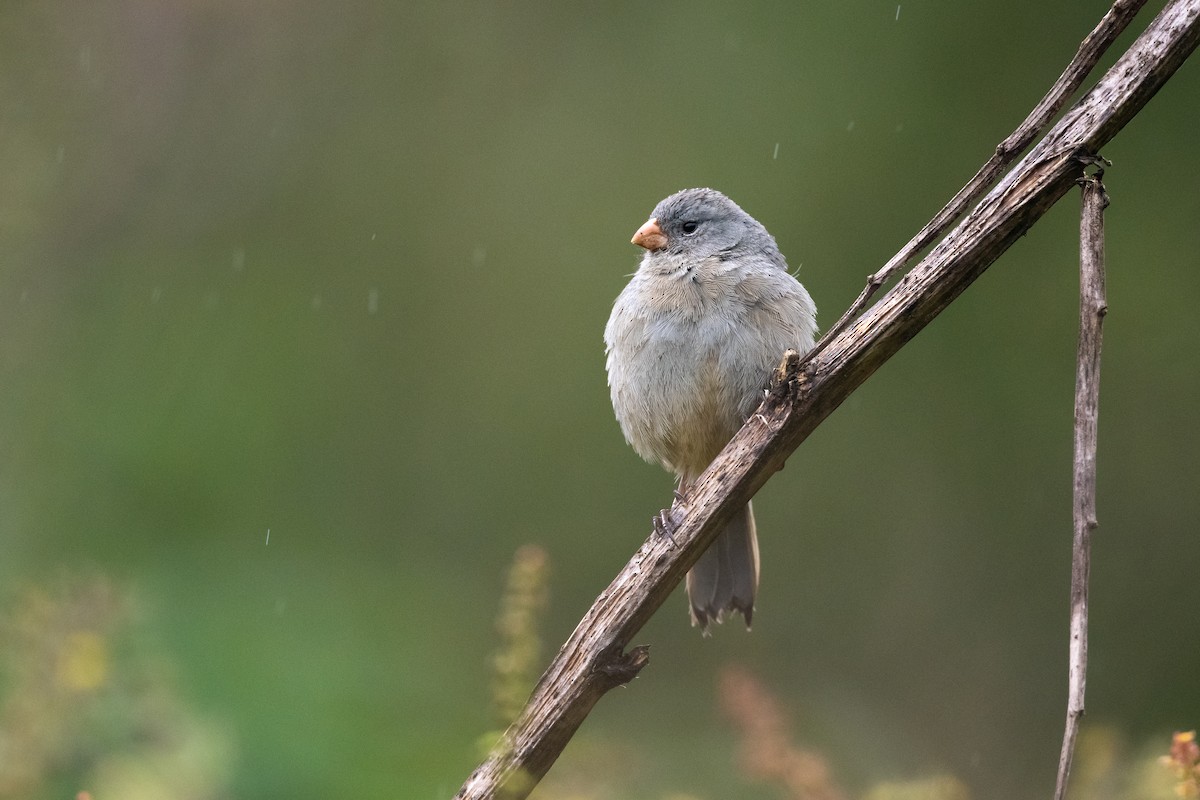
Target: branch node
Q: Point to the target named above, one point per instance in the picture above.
(787, 378)
(1098, 163)
(789, 367)
(618, 668)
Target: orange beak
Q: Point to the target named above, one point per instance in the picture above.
(650, 236)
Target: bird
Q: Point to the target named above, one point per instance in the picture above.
(689, 350)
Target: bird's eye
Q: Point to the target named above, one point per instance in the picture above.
(689, 227)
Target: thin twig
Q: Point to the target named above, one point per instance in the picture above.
(1089, 52)
(1092, 308)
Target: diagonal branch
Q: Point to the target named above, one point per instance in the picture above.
(1092, 308)
(593, 660)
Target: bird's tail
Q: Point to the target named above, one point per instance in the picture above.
(725, 579)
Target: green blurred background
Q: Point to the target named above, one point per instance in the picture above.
(340, 272)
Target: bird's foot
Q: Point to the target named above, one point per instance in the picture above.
(665, 523)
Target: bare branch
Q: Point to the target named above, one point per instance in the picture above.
(1090, 50)
(593, 660)
(1092, 308)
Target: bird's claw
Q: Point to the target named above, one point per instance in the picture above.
(664, 524)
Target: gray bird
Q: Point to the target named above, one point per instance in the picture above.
(690, 346)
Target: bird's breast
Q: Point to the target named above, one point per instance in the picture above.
(673, 393)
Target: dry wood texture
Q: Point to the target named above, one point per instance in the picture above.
(1092, 308)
